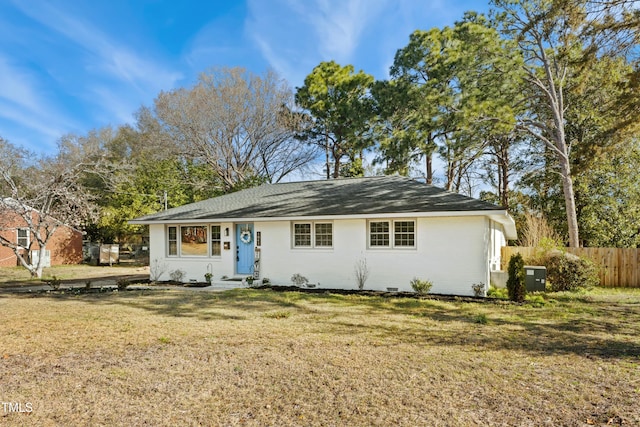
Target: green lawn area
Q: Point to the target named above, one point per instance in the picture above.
(259, 357)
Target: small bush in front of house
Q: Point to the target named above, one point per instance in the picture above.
(54, 283)
(156, 270)
(421, 286)
(122, 284)
(515, 283)
(299, 280)
(208, 277)
(495, 292)
(361, 272)
(478, 289)
(177, 276)
(568, 272)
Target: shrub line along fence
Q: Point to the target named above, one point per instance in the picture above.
(617, 267)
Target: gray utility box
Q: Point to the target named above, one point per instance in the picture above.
(535, 278)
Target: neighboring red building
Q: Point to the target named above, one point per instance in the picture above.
(64, 247)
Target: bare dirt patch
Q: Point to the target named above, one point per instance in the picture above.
(258, 357)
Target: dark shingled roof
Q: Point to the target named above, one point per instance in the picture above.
(351, 196)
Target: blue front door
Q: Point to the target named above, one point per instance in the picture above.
(244, 249)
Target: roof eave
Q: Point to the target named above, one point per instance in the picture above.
(498, 215)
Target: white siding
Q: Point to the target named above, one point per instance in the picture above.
(449, 251)
(452, 252)
(194, 267)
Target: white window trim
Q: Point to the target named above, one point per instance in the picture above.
(168, 242)
(392, 239)
(210, 231)
(313, 235)
(179, 253)
(18, 237)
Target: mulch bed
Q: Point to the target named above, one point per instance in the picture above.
(384, 294)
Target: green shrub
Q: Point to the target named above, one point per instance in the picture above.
(495, 292)
(567, 272)
(421, 286)
(536, 300)
(515, 283)
(481, 319)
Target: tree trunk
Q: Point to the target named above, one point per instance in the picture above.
(503, 171)
(570, 203)
(429, 162)
(326, 152)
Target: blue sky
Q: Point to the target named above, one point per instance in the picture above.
(72, 66)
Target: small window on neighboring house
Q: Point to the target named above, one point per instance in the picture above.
(23, 237)
(216, 238)
(404, 233)
(379, 234)
(172, 233)
(324, 235)
(302, 235)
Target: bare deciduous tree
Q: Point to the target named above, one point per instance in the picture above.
(43, 194)
(241, 124)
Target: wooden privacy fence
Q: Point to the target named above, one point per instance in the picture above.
(617, 267)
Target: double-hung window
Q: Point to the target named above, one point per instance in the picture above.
(312, 235)
(23, 237)
(172, 247)
(379, 234)
(216, 239)
(404, 234)
(392, 234)
(323, 235)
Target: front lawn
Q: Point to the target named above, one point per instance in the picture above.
(259, 357)
(13, 276)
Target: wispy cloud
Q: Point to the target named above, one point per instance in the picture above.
(104, 53)
(339, 24)
(16, 87)
(295, 36)
(109, 77)
(21, 102)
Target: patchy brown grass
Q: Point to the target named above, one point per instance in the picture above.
(258, 357)
(12, 276)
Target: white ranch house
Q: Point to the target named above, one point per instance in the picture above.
(322, 229)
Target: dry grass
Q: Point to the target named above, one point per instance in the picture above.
(250, 357)
(12, 276)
